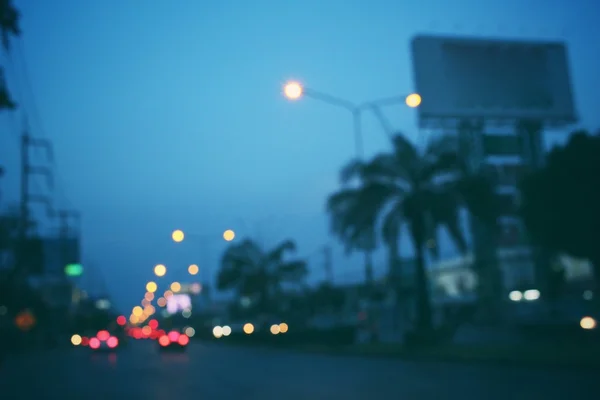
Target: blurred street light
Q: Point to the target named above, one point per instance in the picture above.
(177, 236)
(160, 270)
(151, 287)
(175, 287)
(248, 328)
(149, 296)
(161, 302)
(137, 311)
(193, 269)
(294, 90)
(229, 235)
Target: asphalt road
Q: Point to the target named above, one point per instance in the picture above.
(221, 372)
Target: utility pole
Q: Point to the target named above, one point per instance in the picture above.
(27, 198)
(328, 264)
(65, 233)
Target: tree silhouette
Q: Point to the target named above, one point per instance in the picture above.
(253, 272)
(9, 27)
(405, 186)
(560, 203)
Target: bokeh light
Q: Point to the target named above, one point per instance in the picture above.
(151, 287)
(293, 90)
(193, 269)
(149, 296)
(274, 329)
(161, 302)
(283, 327)
(137, 311)
(226, 330)
(587, 323)
(248, 328)
(160, 270)
(175, 287)
(177, 236)
(167, 294)
(76, 340)
(217, 332)
(413, 100)
(229, 235)
(189, 331)
(121, 320)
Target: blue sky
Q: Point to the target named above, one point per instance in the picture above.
(169, 115)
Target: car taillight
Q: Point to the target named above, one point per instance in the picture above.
(103, 336)
(85, 341)
(112, 342)
(164, 341)
(174, 336)
(94, 343)
(183, 340)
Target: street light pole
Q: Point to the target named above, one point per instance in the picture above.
(295, 90)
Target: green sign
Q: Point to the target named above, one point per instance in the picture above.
(74, 270)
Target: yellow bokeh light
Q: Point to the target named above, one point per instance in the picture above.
(161, 302)
(133, 319)
(413, 100)
(293, 90)
(248, 328)
(274, 329)
(175, 287)
(587, 323)
(76, 340)
(193, 269)
(137, 311)
(151, 287)
(149, 310)
(229, 235)
(149, 296)
(167, 294)
(283, 327)
(177, 236)
(160, 270)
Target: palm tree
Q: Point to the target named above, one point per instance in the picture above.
(253, 272)
(424, 189)
(9, 26)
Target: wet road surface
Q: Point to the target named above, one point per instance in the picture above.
(222, 372)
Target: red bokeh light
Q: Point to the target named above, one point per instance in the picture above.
(112, 342)
(153, 324)
(164, 341)
(121, 320)
(173, 336)
(85, 341)
(103, 335)
(183, 340)
(94, 343)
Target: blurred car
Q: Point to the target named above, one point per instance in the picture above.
(103, 341)
(173, 341)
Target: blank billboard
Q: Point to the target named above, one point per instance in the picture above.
(495, 79)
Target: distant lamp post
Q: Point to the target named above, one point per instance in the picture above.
(160, 270)
(193, 269)
(177, 236)
(151, 287)
(294, 90)
(229, 235)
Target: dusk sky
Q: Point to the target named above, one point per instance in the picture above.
(169, 114)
